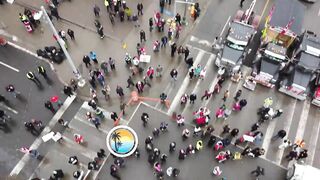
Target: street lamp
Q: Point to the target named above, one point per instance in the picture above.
(81, 81)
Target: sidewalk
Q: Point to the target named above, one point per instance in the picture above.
(57, 157)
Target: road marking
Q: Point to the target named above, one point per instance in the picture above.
(313, 140)
(269, 133)
(287, 123)
(263, 11)
(10, 67)
(23, 161)
(224, 27)
(319, 12)
(197, 86)
(303, 120)
(184, 84)
(76, 117)
(8, 108)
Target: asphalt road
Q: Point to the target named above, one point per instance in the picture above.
(31, 105)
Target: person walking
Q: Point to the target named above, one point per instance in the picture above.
(42, 71)
(225, 95)
(206, 95)
(49, 106)
(173, 49)
(114, 116)
(281, 134)
(234, 132)
(71, 34)
(119, 91)
(277, 113)
(86, 60)
(100, 30)
(257, 172)
(93, 57)
(130, 82)
(30, 127)
(63, 123)
(123, 108)
(140, 8)
(112, 63)
(241, 3)
(96, 121)
(31, 76)
(178, 19)
(96, 10)
(142, 36)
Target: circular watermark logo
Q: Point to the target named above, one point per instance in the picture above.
(122, 141)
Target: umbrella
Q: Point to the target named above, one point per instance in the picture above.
(54, 99)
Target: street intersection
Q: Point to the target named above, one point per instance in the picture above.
(300, 119)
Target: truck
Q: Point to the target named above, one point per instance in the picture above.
(316, 92)
(302, 172)
(240, 32)
(306, 62)
(283, 25)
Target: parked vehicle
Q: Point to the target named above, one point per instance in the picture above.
(307, 61)
(240, 32)
(302, 172)
(282, 28)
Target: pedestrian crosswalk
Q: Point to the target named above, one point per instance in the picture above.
(94, 140)
(300, 119)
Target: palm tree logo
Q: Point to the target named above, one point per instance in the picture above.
(116, 137)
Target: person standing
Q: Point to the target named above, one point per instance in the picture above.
(96, 11)
(54, 12)
(150, 24)
(174, 74)
(164, 41)
(178, 19)
(192, 97)
(42, 71)
(123, 108)
(145, 118)
(281, 134)
(86, 60)
(186, 53)
(140, 8)
(277, 113)
(225, 95)
(112, 63)
(119, 91)
(31, 76)
(114, 172)
(159, 70)
(238, 94)
(71, 34)
(67, 91)
(161, 6)
(49, 106)
(106, 91)
(142, 36)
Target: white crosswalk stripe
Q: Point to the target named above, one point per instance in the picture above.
(296, 120)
